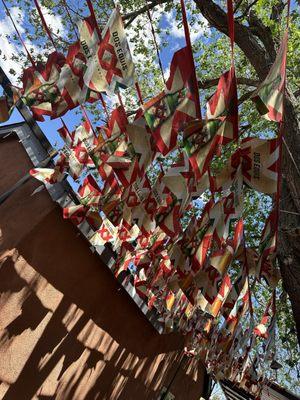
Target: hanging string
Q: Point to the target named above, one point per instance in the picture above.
(281, 129)
(44, 23)
(189, 46)
(155, 42)
(93, 15)
(18, 33)
(288, 14)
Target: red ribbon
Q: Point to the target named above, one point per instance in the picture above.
(87, 118)
(93, 15)
(139, 93)
(189, 46)
(230, 17)
(44, 23)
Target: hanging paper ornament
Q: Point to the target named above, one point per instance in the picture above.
(266, 267)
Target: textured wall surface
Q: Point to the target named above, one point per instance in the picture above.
(67, 328)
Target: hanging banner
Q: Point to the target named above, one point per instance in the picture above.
(106, 233)
(117, 123)
(39, 85)
(140, 138)
(111, 66)
(81, 213)
(88, 36)
(202, 154)
(83, 133)
(70, 84)
(239, 288)
(266, 268)
(260, 164)
(168, 112)
(212, 280)
(90, 192)
(262, 328)
(224, 102)
(47, 175)
(268, 97)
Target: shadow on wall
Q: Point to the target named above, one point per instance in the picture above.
(67, 330)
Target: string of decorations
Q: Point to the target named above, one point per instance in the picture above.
(181, 271)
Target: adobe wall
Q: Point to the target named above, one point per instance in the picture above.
(67, 328)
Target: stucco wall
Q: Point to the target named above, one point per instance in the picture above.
(67, 328)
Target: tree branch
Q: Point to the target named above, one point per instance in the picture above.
(245, 96)
(65, 4)
(208, 83)
(247, 10)
(277, 10)
(131, 16)
(238, 4)
(297, 93)
(244, 38)
(130, 21)
(264, 33)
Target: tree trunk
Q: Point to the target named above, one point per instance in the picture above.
(289, 221)
(261, 58)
